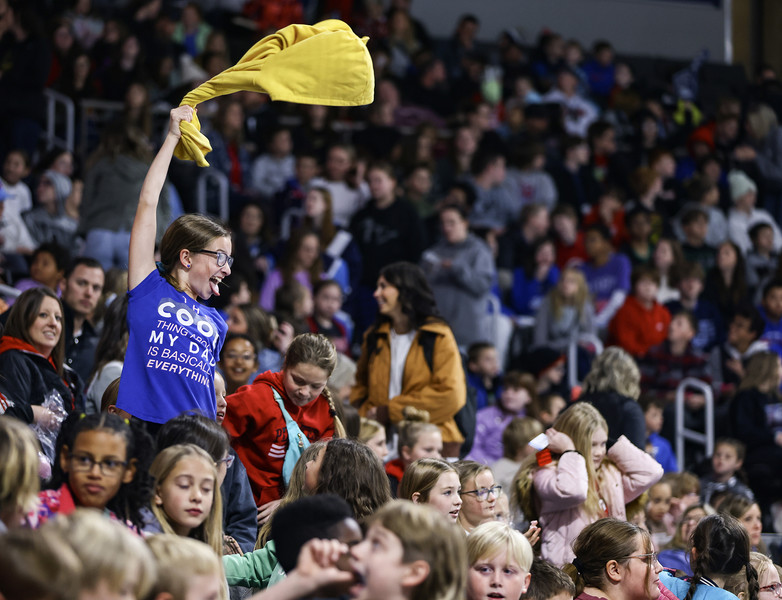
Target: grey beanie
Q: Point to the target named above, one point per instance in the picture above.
(740, 184)
(62, 184)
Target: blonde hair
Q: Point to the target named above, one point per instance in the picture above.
(19, 482)
(426, 535)
(211, 530)
(489, 539)
(614, 370)
(579, 423)
(414, 423)
(761, 562)
(518, 434)
(38, 563)
(421, 476)
(761, 373)
(369, 427)
(179, 559)
(556, 300)
(762, 120)
(108, 552)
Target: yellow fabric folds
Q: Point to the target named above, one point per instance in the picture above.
(324, 64)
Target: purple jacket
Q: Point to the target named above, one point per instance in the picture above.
(562, 489)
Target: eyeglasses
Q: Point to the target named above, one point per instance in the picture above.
(228, 460)
(650, 558)
(774, 588)
(222, 257)
(109, 467)
(483, 493)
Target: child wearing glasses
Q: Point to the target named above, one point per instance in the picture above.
(103, 464)
(174, 340)
(578, 480)
(614, 559)
(479, 494)
(769, 584)
(719, 549)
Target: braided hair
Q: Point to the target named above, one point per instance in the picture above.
(720, 546)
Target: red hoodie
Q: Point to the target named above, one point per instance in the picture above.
(636, 328)
(259, 436)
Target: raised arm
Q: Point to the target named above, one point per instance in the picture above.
(141, 260)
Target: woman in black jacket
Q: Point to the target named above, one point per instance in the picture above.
(32, 370)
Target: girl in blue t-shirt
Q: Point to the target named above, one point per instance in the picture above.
(174, 341)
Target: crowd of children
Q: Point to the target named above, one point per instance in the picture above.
(437, 355)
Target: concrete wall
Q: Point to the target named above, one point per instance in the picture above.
(648, 27)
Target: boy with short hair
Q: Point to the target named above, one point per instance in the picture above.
(547, 407)
(726, 462)
(771, 311)
(483, 373)
(761, 260)
(548, 583)
(642, 322)
(695, 226)
(515, 448)
(707, 315)
(666, 364)
(656, 445)
(728, 359)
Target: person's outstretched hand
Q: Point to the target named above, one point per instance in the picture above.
(178, 114)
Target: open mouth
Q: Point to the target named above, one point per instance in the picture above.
(213, 283)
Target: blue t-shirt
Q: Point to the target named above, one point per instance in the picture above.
(172, 351)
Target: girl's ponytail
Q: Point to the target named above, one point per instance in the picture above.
(572, 571)
(339, 428)
(753, 586)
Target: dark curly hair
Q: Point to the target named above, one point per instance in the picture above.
(415, 295)
(132, 496)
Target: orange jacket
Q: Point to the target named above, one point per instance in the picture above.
(441, 391)
(636, 328)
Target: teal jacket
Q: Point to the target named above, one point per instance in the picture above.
(253, 569)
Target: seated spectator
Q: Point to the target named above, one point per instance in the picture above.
(771, 311)
(744, 215)
(648, 185)
(16, 168)
(642, 322)
(47, 269)
(495, 208)
(327, 303)
(271, 170)
(726, 282)
(607, 274)
(565, 313)
(704, 194)
(518, 390)
(726, 463)
(692, 299)
(546, 408)
(568, 240)
(302, 263)
(695, 226)
(535, 278)
(658, 520)
(578, 112)
(517, 243)
(728, 361)
(656, 445)
(515, 448)
(483, 371)
(676, 553)
(575, 184)
(638, 248)
(600, 70)
(667, 363)
(609, 211)
(346, 199)
(192, 30)
(527, 178)
(668, 260)
(761, 260)
(230, 154)
(56, 216)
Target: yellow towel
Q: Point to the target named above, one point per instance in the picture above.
(324, 63)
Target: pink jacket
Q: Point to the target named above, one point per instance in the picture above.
(562, 489)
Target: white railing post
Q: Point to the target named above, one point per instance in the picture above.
(682, 433)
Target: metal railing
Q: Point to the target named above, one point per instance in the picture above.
(221, 181)
(53, 99)
(682, 433)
